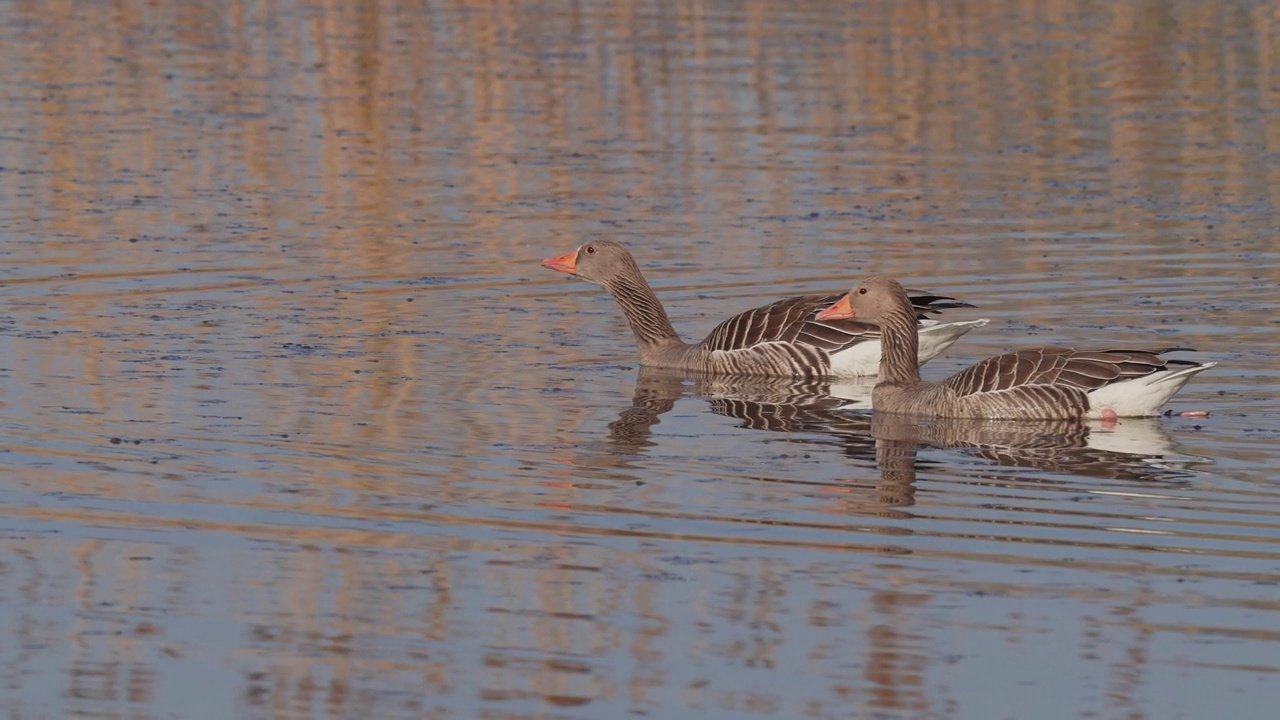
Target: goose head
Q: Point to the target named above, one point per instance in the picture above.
(870, 300)
(596, 261)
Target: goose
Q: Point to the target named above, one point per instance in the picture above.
(781, 339)
(1040, 383)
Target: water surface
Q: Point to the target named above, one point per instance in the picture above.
(296, 426)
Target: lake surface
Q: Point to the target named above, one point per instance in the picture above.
(295, 426)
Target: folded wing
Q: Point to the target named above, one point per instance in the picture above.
(792, 321)
(1059, 367)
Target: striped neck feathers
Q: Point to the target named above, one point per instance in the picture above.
(900, 344)
(645, 314)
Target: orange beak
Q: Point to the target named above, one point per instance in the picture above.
(566, 263)
(839, 311)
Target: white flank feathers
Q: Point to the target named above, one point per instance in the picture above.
(1144, 396)
(863, 359)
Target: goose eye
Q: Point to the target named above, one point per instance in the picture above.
(591, 249)
(862, 291)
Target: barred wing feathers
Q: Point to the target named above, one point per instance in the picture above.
(791, 321)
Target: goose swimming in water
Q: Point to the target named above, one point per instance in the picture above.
(779, 339)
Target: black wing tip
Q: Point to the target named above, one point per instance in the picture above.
(935, 308)
(933, 304)
(1147, 351)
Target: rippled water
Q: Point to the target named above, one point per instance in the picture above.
(296, 426)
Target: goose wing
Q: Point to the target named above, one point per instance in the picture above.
(792, 321)
(1041, 369)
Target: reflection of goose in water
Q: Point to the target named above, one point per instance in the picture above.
(1136, 449)
(778, 404)
(1133, 449)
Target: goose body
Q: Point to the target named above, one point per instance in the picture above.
(1041, 383)
(781, 339)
